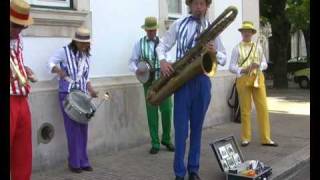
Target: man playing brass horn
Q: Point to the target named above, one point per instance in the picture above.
(247, 62)
(191, 101)
(20, 117)
(144, 50)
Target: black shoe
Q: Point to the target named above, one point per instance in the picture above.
(89, 168)
(154, 150)
(169, 146)
(194, 176)
(75, 170)
(179, 178)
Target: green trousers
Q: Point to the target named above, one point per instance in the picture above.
(153, 119)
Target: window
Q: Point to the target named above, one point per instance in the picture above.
(58, 18)
(176, 9)
(52, 3)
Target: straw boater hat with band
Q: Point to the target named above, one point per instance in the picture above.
(150, 23)
(188, 2)
(82, 35)
(247, 25)
(20, 13)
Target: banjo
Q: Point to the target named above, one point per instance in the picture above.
(148, 72)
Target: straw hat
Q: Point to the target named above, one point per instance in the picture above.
(150, 23)
(20, 13)
(188, 2)
(248, 25)
(82, 35)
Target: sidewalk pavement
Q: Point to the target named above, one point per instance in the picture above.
(290, 124)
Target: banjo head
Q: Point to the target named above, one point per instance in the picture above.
(146, 75)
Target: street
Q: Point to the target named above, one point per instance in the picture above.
(302, 174)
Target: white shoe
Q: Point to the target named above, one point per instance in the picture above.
(245, 143)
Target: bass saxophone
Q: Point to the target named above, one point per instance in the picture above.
(195, 61)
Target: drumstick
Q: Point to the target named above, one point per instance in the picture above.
(106, 97)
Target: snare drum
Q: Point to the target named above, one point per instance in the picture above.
(79, 107)
(148, 74)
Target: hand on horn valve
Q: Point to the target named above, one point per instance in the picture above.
(166, 68)
(211, 49)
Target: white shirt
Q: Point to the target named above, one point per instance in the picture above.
(136, 54)
(234, 67)
(170, 37)
(56, 58)
(77, 69)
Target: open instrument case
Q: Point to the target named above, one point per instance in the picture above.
(229, 157)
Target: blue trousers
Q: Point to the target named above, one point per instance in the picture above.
(191, 102)
(77, 137)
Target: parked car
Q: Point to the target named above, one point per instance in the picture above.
(293, 65)
(302, 77)
(296, 64)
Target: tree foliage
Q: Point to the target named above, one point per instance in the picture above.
(285, 17)
(298, 13)
(299, 16)
(275, 12)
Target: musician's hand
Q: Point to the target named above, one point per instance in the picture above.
(28, 71)
(61, 74)
(30, 74)
(166, 68)
(211, 49)
(245, 70)
(139, 72)
(254, 66)
(93, 93)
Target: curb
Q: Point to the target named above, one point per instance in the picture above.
(290, 164)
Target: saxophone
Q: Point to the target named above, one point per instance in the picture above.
(195, 61)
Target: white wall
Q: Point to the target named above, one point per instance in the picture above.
(230, 36)
(251, 12)
(116, 27)
(37, 52)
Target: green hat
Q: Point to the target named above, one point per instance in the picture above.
(150, 23)
(248, 25)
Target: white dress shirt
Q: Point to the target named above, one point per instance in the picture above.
(136, 54)
(76, 68)
(170, 37)
(234, 67)
(58, 57)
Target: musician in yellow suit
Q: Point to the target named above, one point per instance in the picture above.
(248, 62)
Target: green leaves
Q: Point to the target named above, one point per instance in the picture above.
(298, 13)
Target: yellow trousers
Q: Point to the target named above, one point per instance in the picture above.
(246, 92)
